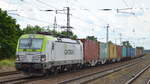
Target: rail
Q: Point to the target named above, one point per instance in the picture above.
(9, 73)
(137, 75)
(89, 77)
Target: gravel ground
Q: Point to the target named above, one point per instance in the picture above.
(124, 75)
(143, 78)
(7, 69)
(64, 76)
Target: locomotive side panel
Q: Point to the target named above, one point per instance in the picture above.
(66, 53)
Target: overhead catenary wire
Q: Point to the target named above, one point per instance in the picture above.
(46, 4)
(34, 19)
(125, 3)
(133, 13)
(53, 7)
(85, 9)
(88, 10)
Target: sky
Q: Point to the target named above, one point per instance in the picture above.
(131, 22)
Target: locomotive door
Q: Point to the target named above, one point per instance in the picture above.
(52, 51)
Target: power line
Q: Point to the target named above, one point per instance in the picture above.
(29, 18)
(46, 4)
(125, 3)
(87, 9)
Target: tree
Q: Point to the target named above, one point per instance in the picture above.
(91, 38)
(70, 34)
(35, 29)
(127, 44)
(110, 42)
(32, 29)
(9, 34)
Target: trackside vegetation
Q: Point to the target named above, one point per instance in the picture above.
(7, 62)
(10, 32)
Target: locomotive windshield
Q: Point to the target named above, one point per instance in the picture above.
(30, 43)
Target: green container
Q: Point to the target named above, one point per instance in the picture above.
(103, 51)
(124, 51)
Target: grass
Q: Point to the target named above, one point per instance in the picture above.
(7, 62)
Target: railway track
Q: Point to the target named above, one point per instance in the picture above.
(148, 81)
(65, 76)
(9, 73)
(92, 76)
(17, 78)
(26, 79)
(13, 80)
(138, 75)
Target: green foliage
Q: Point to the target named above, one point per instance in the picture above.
(32, 29)
(110, 42)
(9, 34)
(70, 34)
(7, 62)
(91, 38)
(127, 44)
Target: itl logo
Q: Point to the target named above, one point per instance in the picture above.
(68, 52)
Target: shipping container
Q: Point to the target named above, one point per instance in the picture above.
(91, 51)
(139, 52)
(119, 52)
(124, 51)
(134, 52)
(103, 52)
(128, 52)
(112, 51)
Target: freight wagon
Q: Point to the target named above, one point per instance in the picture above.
(90, 52)
(139, 51)
(119, 52)
(124, 52)
(103, 52)
(128, 52)
(112, 52)
(132, 52)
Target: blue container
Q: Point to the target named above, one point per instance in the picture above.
(133, 52)
(103, 51)
(128, 52)
(124, 51)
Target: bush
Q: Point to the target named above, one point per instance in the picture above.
(7, 62)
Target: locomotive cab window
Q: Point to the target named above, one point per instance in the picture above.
(30, 43)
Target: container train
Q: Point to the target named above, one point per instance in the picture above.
(42, 54)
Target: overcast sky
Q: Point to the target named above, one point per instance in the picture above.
(87, 18)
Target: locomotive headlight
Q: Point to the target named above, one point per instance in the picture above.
(17, 58)
(43, 57)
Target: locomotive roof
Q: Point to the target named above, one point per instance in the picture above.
(38, 36)
(49, 37)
